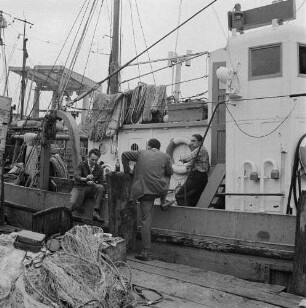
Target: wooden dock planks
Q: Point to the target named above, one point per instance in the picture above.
(190, 287)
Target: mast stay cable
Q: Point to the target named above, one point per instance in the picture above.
(50, 72)
(80, 43)
(176, 41)
(135, 46)
(91, 43)
(65, 77)
(179, 62)
(137, 56)
(145, 42)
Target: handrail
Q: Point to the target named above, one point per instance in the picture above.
(250, 194)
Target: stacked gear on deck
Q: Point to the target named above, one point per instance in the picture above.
(145, 104)
(78, 275)
(100, 122)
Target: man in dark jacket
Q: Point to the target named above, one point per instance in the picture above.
(88, 182)
(152, 170)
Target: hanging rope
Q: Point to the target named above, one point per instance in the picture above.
(137, 104)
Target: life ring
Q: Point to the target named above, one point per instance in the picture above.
(107, 168)
(177, 168)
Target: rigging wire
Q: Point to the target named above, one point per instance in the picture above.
(134, 39)
(91, 43)
(77, 51)
(216, 102)
(145, 42)
(178, 57)
(215, 12)
(265, 135)
(109, 11)
(300, 6)
(5, 70)
(137, 56)
(176, 39)
(29, 95)
(197, 95)
(37, 100)
(50, 72)
(157, 70)
(184, 81)
(63, 79)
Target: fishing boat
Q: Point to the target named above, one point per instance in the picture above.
(245, 221)
(253, 125)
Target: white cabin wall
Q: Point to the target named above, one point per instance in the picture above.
(141, 133)
(259, 117)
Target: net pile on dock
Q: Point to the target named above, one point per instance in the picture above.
(79, 275)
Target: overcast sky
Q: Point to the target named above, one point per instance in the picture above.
(53, 20)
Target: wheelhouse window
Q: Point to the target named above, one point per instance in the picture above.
(265, 62)
(134, 147)
(302, 59)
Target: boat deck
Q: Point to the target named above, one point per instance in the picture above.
(189, 287)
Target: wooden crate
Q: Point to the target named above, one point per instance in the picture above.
(115, 253)
(189, 111)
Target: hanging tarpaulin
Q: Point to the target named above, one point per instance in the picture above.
(104, 118)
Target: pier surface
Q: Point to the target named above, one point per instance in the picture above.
(189, 287)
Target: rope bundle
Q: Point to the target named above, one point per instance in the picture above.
(137, 104)
(80, 275)
(59, 166)
(146, 103)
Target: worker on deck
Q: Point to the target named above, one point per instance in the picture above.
(197, 164)
(88, 182)
(152, 170)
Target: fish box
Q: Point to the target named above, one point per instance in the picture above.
(28, 240)
(115, 252)
(189, 111)
(30, 237)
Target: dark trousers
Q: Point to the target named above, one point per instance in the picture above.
(192, 189)
(146, 211)
(79, 193)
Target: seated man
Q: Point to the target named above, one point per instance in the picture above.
(88, 182)
(197, 164)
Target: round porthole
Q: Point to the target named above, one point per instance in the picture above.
(134, 147)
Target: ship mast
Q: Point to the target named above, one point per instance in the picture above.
(24, 59)
(113, 86)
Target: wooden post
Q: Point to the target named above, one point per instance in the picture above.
(114, 63)
(5, 109)
(122, 212)
(298, 284)
(36, 103)
(45, 156)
